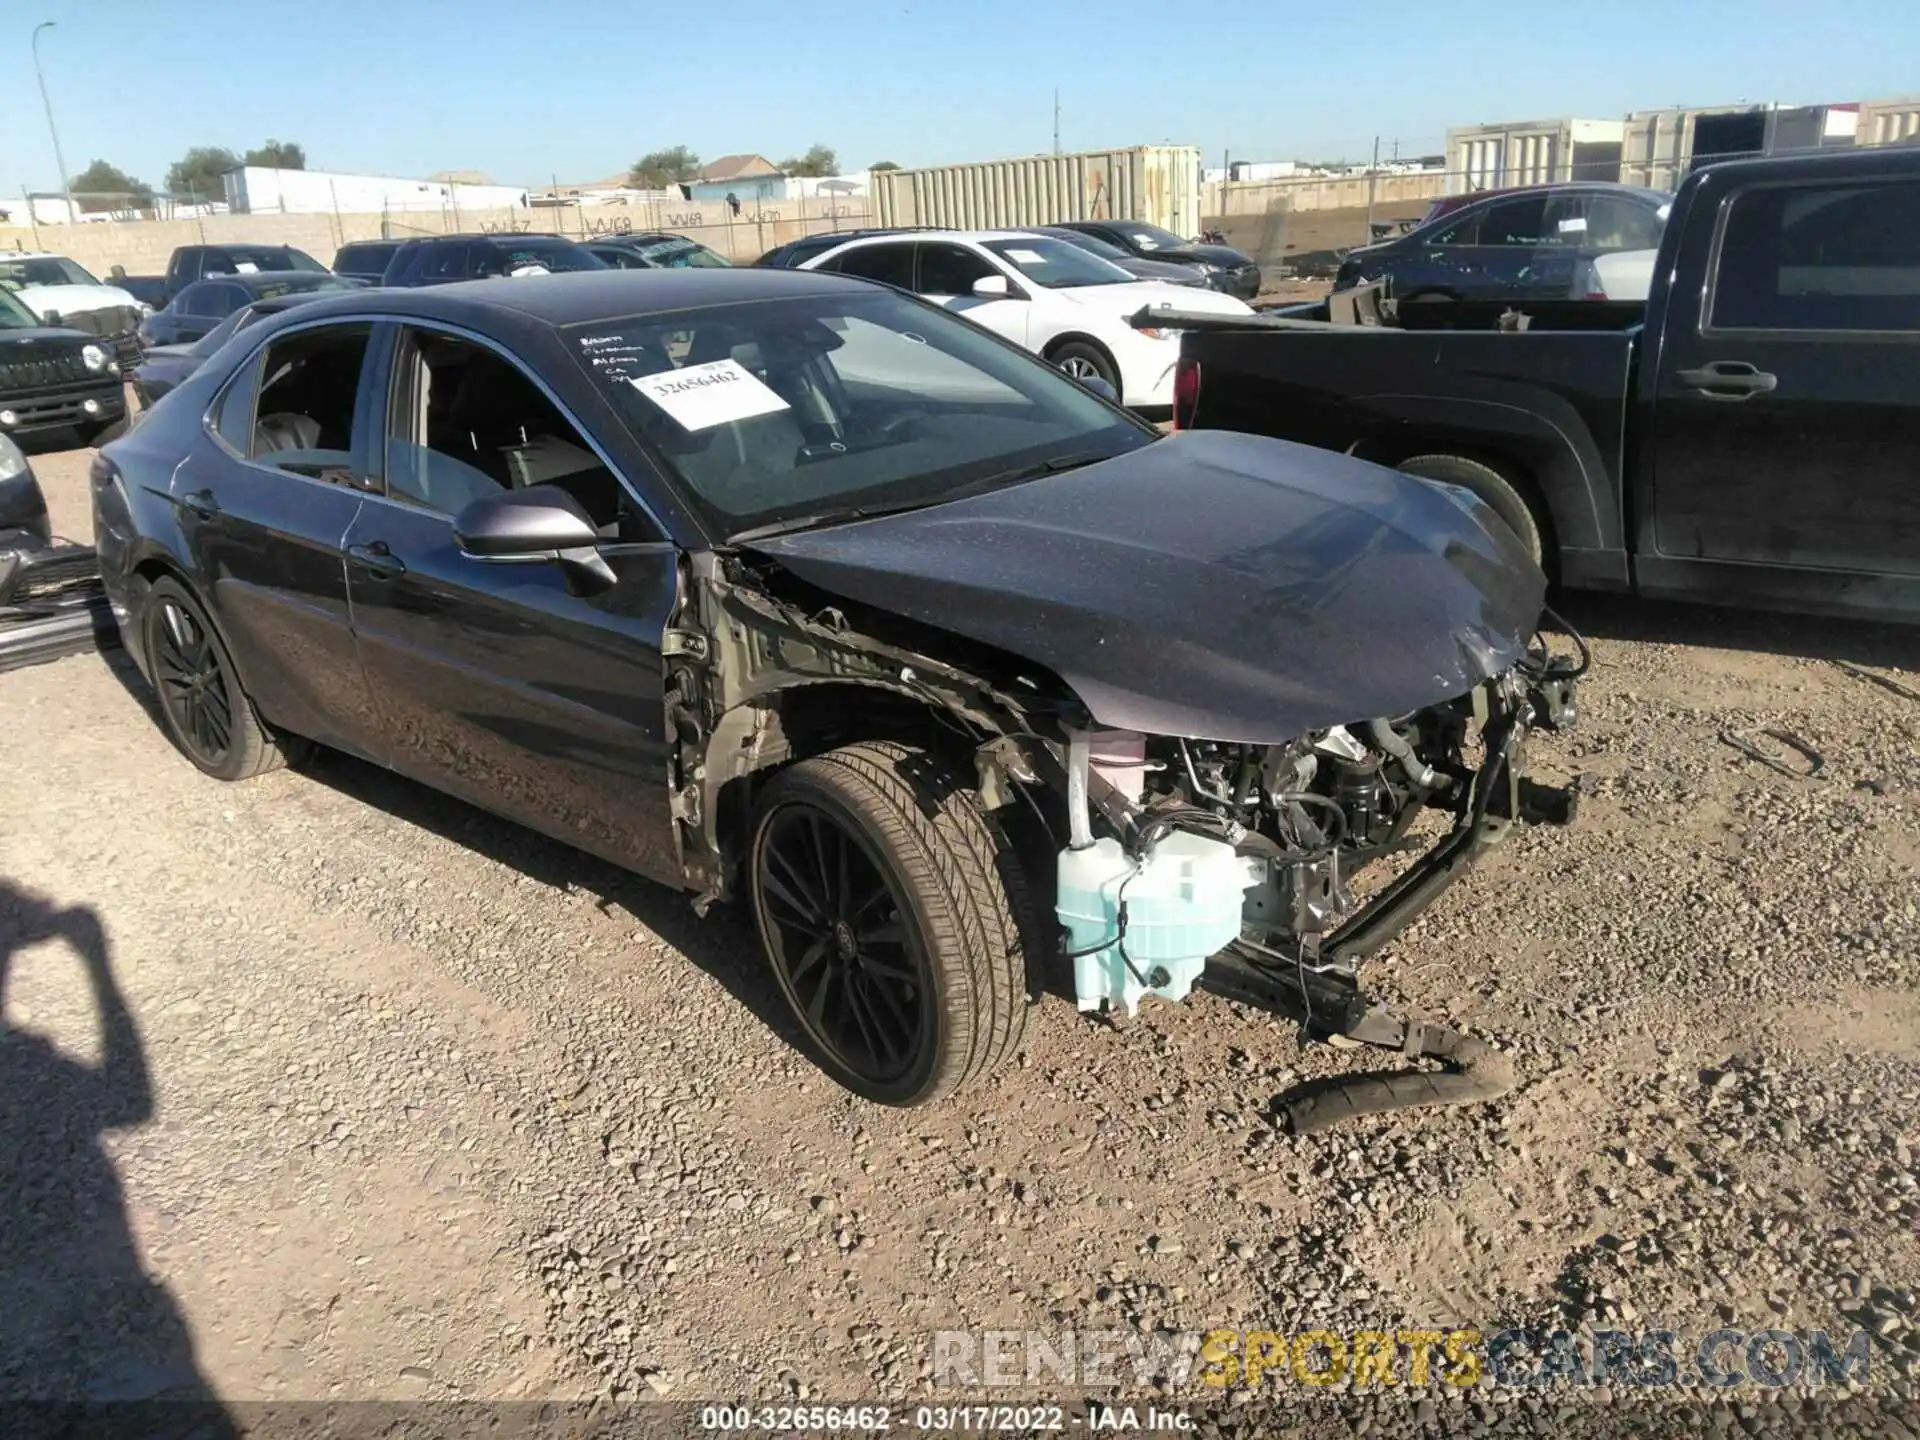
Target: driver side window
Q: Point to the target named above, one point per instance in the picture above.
(950, 270)
(466, 423)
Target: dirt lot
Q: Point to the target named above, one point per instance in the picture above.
(398, 1100)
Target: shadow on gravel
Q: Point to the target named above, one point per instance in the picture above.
(1810, 637)
(81, 1322)
(724, 944)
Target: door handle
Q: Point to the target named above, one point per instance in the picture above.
(201, 503)
(1728, 380)
(377, 558)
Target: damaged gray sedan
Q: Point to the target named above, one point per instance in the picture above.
(792, 591)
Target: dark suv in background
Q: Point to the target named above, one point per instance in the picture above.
(364, 259)
(449, 259)
(1536, 243)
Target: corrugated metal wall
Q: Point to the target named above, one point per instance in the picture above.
(1158, 184)
(1889, 123)
(1489, 157)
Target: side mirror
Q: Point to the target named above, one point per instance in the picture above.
(1102, 388)
(993, 287)
(538, 525)
(52, 319)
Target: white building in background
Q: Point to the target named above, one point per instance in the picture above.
(262, 190)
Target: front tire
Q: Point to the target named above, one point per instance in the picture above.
(206, 714)
(1082, 361)
(887, 903)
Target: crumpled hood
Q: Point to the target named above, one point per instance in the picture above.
(73, 299)
(1212, 585)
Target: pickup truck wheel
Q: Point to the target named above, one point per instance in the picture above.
(206, 713)
(1084, 362)
(1490, 485)
(886, 900)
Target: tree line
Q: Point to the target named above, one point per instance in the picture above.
(194, 176)
(679, 165)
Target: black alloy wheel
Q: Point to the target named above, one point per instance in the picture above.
(205, 711)
(847, 954)
(194, 686)
(888, 903)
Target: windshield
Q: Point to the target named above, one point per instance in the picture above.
(780, 409)
(1152, 237)
(676, 252)
(17, 274)
(14, 315)
(1056, 265)
(1093, 245)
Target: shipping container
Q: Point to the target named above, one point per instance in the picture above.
(1155, 184)
(1532, 152)
(1662, 145)
(1889, 122)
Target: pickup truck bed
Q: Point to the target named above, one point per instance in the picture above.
(1751, 435)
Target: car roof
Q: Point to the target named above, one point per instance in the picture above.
(976, 236)
(584, 296)
(471, 237)
(1558, 187)
(360, 244)
(241, 245)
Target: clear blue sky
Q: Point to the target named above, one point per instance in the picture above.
(583, 87)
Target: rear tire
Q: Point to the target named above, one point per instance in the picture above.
(887, 903)
(1491, 486)
(206, 714)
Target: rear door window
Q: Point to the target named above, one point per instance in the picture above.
(1616, 224)
(1820, 257)
(890, 264)
(445, 262)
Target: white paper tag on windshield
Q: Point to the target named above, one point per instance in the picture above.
(245, 267)
(700, 397)
(1026, 257)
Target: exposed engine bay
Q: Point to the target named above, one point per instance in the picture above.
(1234, 866)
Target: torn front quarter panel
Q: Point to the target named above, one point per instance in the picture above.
(1212, 585)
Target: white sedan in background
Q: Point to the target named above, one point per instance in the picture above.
(1064, 304)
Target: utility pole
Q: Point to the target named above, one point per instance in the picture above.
(1056, 122)
(1373, 175)
(66, 183)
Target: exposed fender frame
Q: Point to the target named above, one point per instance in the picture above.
(748, 653)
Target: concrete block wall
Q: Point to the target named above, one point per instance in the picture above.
(143, 246)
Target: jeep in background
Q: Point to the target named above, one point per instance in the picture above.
(55, 379)
(61, 292)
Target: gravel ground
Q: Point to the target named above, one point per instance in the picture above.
(397, 1100)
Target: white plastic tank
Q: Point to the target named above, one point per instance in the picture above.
(1182, 904)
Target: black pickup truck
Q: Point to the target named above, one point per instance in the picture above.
(1751, 435)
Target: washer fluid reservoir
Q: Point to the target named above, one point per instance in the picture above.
(1182, 904)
